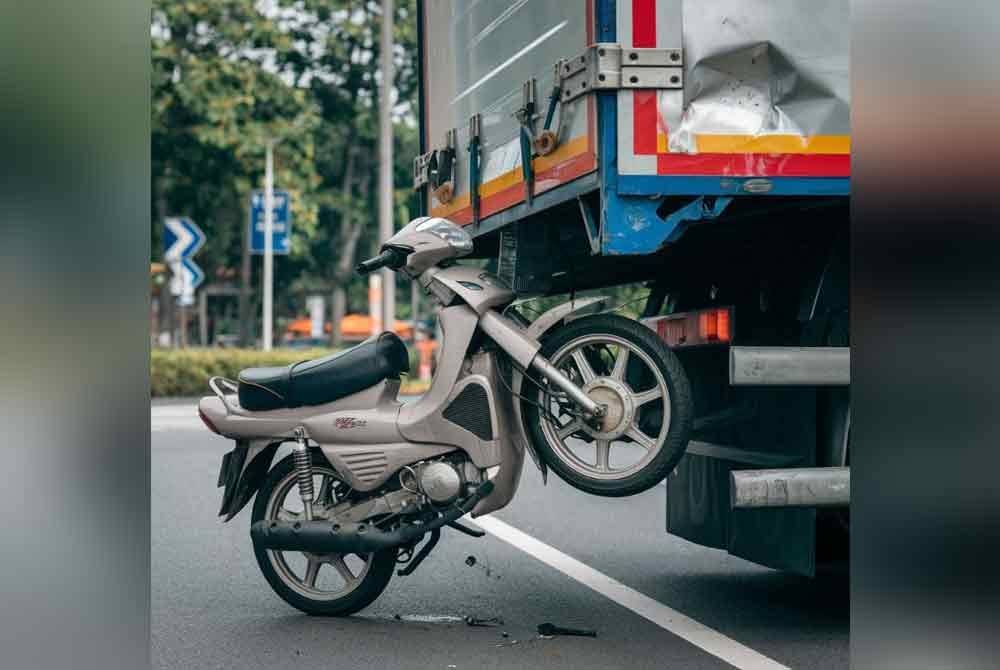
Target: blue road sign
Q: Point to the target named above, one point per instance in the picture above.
(282, 222)
(181, 240)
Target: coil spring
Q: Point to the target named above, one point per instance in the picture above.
(303, 471)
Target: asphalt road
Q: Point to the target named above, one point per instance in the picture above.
(656, 601)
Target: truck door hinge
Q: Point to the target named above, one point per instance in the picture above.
(609, 66)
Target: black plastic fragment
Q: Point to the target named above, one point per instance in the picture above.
(550, 630)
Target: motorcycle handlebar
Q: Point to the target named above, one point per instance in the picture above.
(388, 258)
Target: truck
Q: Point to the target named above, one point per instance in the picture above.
(701, 147)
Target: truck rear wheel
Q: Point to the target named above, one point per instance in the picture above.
(624, 366)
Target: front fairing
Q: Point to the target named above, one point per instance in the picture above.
(479, 289)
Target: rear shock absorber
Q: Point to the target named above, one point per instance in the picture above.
(304, 472)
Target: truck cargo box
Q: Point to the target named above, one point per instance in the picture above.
(653, 98)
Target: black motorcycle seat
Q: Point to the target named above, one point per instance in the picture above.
(325, 379)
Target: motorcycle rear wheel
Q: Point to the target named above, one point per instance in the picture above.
(350, 582)
(622, 364)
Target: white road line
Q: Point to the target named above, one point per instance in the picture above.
(700, 635)
(165, 411)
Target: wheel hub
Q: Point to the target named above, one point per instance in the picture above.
(619, 408)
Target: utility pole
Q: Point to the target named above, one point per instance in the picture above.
(268, 307)
(385, 164)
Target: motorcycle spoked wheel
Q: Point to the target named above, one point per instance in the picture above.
(320, 585)
(625, 366)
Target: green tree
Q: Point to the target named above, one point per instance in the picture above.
(342, 69)
(215, 102)
(226, 76)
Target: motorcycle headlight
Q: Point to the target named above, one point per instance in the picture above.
(454, 235)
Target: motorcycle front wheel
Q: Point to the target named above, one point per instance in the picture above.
(624, 366)
(317, 584)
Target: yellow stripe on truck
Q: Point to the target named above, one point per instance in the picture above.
(773, 144)
(563, 152)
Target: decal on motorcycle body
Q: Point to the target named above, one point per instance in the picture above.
(346, 422)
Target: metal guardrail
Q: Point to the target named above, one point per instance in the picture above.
(790, 366)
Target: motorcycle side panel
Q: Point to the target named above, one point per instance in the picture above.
(510, 449)
(425, 421)
(235, 422)
(367, 466)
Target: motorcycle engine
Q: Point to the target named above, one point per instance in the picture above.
(440, 481)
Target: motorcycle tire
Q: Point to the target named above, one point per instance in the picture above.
(676, 405)
(371, 585)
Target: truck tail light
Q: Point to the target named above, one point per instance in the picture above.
(701, 327)
(713, 325)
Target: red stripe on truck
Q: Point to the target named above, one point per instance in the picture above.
(644, 116)
(643, 23)
(754, 165)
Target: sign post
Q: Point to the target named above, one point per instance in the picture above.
(385, 190)
(268, 307)
(270, 234)
(181, 241)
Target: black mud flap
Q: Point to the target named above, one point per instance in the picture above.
(698, 509)
(241, 484)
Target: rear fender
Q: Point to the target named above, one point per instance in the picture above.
(536, 330)
(243, 471)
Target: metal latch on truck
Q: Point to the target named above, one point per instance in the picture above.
(437, 168)
(604, 66)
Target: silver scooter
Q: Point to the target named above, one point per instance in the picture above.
(369, 476)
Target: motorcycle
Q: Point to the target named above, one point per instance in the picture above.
(369, 476)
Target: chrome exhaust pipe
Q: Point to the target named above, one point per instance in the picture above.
(790, 487)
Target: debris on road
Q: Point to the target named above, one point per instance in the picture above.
(492, 621)
(472, 562)
(428, 618)
(551, 630)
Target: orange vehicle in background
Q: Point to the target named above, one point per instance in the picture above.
(353, 327)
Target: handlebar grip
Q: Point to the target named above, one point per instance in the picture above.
(389, 257)
(370, 265)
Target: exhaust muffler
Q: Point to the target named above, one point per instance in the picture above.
(324, 537)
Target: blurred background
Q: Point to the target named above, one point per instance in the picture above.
(84, 95)
(305, 76)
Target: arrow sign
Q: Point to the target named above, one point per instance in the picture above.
(181, 240)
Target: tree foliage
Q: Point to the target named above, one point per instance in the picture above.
(229, 74)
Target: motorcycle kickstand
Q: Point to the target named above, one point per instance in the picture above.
(420, 555)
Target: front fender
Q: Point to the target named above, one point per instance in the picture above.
(536, 330)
